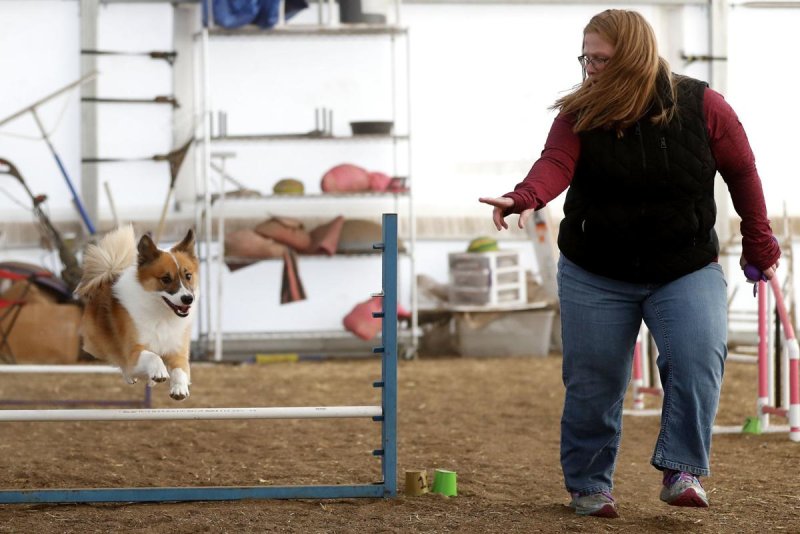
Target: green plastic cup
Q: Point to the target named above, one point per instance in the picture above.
(752, 425)
(444, 483)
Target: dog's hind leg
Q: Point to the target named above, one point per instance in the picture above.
(130, 379)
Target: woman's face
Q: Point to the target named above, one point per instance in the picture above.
(597, 52)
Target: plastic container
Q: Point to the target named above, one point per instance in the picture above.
(371, 127)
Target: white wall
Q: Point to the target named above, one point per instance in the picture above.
(39, 55)
(482, 79)
(762, 87)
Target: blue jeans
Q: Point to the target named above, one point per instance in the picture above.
(600, 319)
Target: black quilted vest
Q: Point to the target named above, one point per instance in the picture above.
(640, 207)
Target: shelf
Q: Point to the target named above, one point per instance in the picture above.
(497, 308)
(302, 335)
(316, 206)
(109, 100)
(367, 195)
(310, 206)
(243, 346)
(245, 262)
(306, 137)
(311, 31)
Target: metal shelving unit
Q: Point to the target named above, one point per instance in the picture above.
(312, 340)
(307, 137)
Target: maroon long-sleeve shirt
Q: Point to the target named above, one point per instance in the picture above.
(552, 173)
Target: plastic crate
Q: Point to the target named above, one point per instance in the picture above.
(491, 279)
(476, 261)
(495, 297)
(487, 278)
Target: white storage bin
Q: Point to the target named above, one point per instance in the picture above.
(491, 279)
(489, 296)
(474, 261)
(511, 333)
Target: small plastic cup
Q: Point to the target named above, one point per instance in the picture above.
(752, 425)
(444, 483)
(416, 483)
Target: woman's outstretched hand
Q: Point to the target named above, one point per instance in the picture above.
(501, 204)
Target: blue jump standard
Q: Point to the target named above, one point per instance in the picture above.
(388, 454)
(203, 493)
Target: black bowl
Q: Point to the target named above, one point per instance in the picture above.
(371, 127)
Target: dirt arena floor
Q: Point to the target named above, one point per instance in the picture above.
(493, 421)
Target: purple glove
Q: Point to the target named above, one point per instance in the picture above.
(753, 273)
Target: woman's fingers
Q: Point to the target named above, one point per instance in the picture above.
(523, 218)
(501, 204)
(498, 202)
(769, 272)
(499, 220)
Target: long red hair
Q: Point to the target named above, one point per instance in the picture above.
(625, 89)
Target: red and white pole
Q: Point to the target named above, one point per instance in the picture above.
(638, 376)
(763, 356)
(794, 363)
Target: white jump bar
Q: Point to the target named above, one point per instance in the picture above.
(102, 369)
(303, 412)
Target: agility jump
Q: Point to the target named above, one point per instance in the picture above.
(386, 414)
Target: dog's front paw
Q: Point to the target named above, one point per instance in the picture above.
(179, 393)
(179, 385)
(160, 373)
(151, 366)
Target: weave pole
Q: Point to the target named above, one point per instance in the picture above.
(386, 415)
(792, 413)
(766, 404)
(644, 376)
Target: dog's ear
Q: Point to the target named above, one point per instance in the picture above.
(148, 251)
(186, 245)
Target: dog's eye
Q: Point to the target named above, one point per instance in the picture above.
(188, 276)
(166, 279)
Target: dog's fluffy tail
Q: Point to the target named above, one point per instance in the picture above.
(103, 263)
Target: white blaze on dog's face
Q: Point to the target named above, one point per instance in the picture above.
(171, 274)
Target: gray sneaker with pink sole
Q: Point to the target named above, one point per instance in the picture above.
(600, 504)
(683, 489)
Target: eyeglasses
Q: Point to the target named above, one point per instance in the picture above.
(596, 62)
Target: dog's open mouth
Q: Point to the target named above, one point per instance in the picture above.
(180, 311)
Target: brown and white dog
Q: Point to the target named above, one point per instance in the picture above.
(138, 307)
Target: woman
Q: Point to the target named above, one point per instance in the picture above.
(639, 148)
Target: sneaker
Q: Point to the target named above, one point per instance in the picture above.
(597, 504)
(683, 489)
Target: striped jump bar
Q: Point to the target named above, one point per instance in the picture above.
(303, 412)
(66, 368)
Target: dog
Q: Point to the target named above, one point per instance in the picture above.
(138, 307)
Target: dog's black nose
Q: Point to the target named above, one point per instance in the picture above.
(187, 299)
